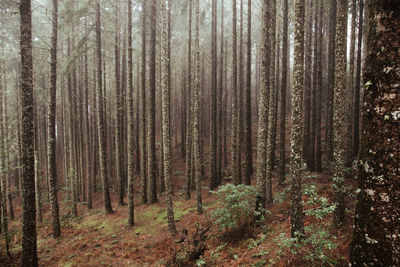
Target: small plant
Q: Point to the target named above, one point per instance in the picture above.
(236, 207)
(316, 240)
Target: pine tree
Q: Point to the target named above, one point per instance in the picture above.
(165, 102)
(151, 142)
(339, 119)
(52, 126)
(29, 253)
(285, 66)
(131, 159)
(100, 116)
(296, 209)
(143, 109)
(234, 109)
(248, 170)
(263, 110)
(376, 240)
(196, 113)
(213, 99)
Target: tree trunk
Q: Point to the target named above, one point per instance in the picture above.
(29, 253)
(248, 170)
(339, 114)
(263, 109)
(151, 142)
(52, 126)
(213, 99)
(143, 109)
(296, 208)
(100, 116)
(285, 66)
(165, 100)
(189, 122)
(357, 86)
(376, 232)
(318, 152)
(196, 114)
(234, 110)
(331, 81)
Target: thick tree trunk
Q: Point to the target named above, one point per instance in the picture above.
(376, 234)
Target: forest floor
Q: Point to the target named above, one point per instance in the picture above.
(96, 239)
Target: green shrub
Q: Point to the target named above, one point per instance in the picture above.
(316, 241)
(236, 207)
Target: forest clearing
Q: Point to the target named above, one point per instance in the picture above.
(199, 133)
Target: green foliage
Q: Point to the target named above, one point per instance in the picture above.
(255, 243)
(236, 207)
(316, 240)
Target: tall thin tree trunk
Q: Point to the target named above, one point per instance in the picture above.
(357, 86)
(263, 109)
(196, 113)
(151, 142)
(318, 108)
(213, 99)
(189, 122)
(165, 95)
(339, 115)
(100, 115)
(296, 207)
(131, 160)
(52, 126)
(143, 109)
(234, 103)
(248, 170)
(285, 66)
(29, 253)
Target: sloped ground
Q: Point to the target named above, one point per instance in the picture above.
(94, 239)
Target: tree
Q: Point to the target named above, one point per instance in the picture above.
(248, 170)
(165, 102)
(263, 110)
(118, 112)
(331, 81)
(376, 233)
(143, 109)
(296, 208)
(357, 86)
(282, 127)
(234, 144)
(213, 99)
(151, 142)
(51, 150)
(196, 114)
(318, 108)
(29, 253)
(189, 122)
(131, 140)
(100, 116)
(339, 114)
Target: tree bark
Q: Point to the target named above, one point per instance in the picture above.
(29, 253)
(296, 208)
(52, 126)
(376, 233)
(339, 115)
